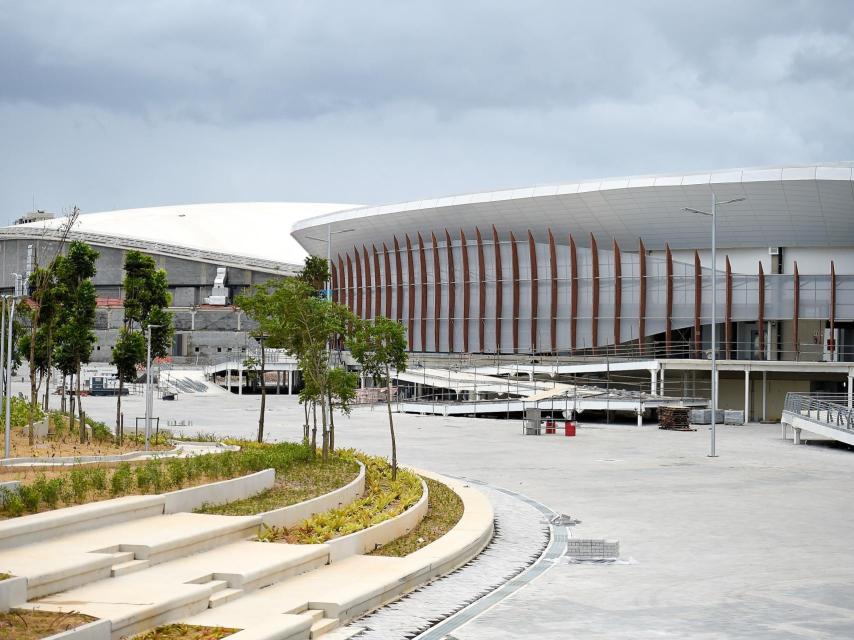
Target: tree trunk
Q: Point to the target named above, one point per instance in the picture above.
(80, 409)
(62, 397)
(119, 434)
(325, 430)
(263, 397)
(33, 389)
(49, 367)
(305, 424)
(391, 428)
(314, 428)
(331, 426)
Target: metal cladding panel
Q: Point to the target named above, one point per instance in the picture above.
(553, 297)
(437, 294)
(390, 311)
(398, 301)
(333, 280)
(351, 296)
(378, 289)
(499, 288)
(535, 297)
(618, 292)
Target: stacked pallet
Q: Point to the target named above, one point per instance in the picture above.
(674, 419)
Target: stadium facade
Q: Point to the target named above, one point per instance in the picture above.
(611, 266)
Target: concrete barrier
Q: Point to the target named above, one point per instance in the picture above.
(49, 524)
(13, 592)
(369, 539)
(97, 630)
(295, 513)
(219, 492)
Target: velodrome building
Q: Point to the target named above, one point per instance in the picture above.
(613, 268)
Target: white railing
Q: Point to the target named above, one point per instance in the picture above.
(830, 410)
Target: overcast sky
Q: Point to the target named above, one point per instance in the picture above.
(109, 104)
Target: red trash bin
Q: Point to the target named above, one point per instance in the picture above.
(569, 428)
(550, 426)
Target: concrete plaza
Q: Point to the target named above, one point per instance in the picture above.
(753, 544)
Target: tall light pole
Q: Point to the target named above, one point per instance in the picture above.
(261, 337)
(149, 398)
(7, 440)
(713, 215)
(328, 241)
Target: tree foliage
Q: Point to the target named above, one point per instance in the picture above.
(380, 347)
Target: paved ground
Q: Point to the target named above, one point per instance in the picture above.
(756, 543)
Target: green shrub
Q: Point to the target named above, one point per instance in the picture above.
(19, 415)
(100, 431)
(79, 478)
(120, 481)
(177, 472)
(30, 496)
(13, 503)
(98, 478)
(52, 492)
(58, 423)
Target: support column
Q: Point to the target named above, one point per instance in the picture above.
(764, 396)
(784, 430)
(654, 384)
(228, 379)
(850, 391)
(240, 378)
(797, 437)
(746, 396)
(291, 382)
(640, 418)
(278, 383)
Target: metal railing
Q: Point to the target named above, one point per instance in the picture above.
(829, 409)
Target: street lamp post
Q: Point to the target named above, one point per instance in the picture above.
(713, 215)
(149, 398)
(7, 440)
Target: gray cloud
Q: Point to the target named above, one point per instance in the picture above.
(114, 104)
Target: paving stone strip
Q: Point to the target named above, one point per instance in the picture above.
(521, 536)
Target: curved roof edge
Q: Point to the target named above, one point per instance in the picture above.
(842, 171)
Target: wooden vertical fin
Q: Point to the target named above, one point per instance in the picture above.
(466, 290)
(514, 264)
(832, 345)
(698, 304)
(573, 295)
(369, 287)
(796, 312)
(481, 274)
(399, 276)
(333, 279)
(641, 296)
(553, 305)
(422, 264)
(410, 317)
(760, 319)
(389, 312)
(342, 286)
(351, 297)
(452, 290)
(668, 326)
(499, 288)
(378, 287)
(728, 312)
(594, 315)
(437, 294)
(618, 293)
(358, 282)
(535, 289)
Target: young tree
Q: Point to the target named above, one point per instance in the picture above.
(315, 273)
(380, 347)
(146, 299)
(341, 392)
(75, 338)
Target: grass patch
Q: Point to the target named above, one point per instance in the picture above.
(83, 483)
(185, 632)
(383, 499)
(5, 576)
(444, 510)
(25, 624)
(301, 481)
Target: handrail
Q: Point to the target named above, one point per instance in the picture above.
(820, 409)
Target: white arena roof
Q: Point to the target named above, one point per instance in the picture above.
(259, 231)
(797, 205)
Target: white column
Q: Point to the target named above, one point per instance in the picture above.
(850, 390)
(784, 430)
(746, 395)
(797, 437)
(228, 378)
(640, 418)
(654, 383)
(718, 385)
(291, 382)
(764, 396)
(240, 378)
